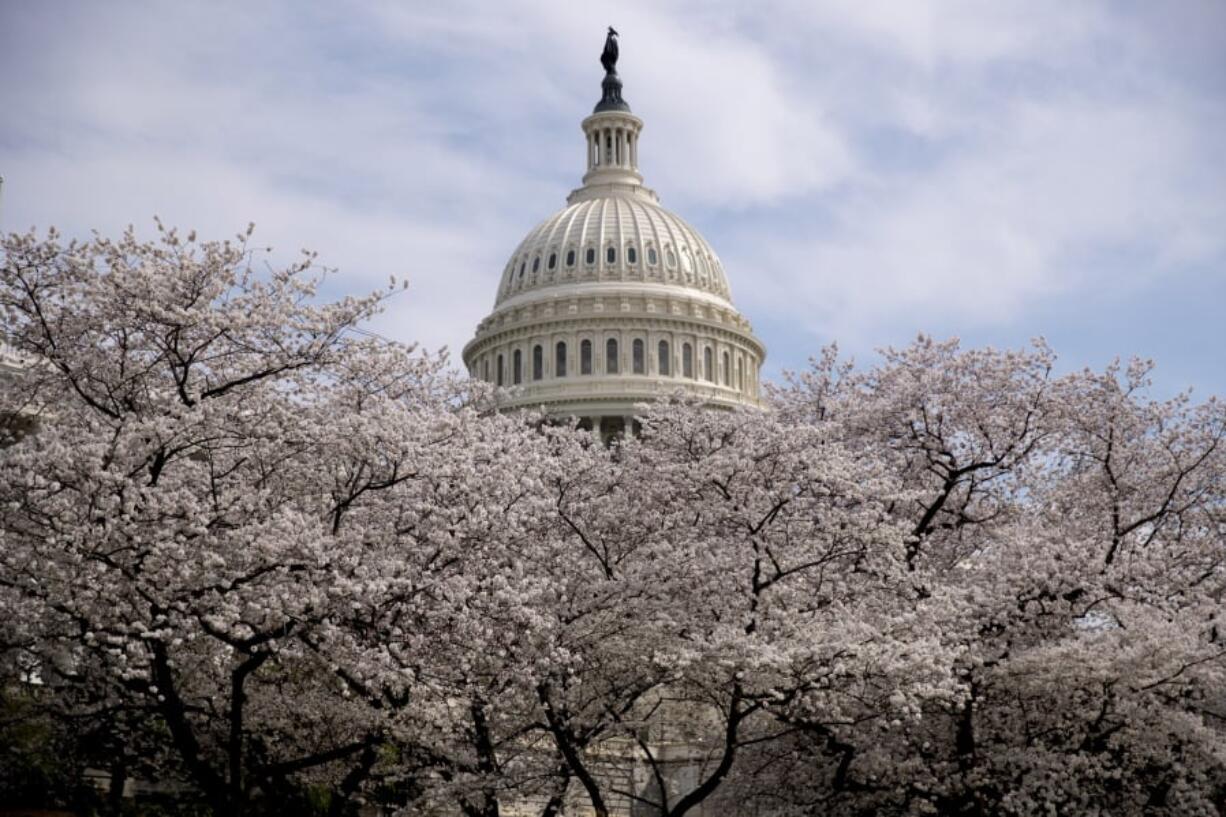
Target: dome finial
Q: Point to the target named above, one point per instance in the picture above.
(611, 85)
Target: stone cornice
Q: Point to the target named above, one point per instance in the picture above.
(615, 394)
(529, 329)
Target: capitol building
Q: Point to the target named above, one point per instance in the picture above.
(613, 300)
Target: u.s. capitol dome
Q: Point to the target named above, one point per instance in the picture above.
(614, 300)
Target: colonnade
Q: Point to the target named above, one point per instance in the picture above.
(612, 147)
(676, 356)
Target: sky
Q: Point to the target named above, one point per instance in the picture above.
(866, 170)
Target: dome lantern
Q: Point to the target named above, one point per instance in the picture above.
(612, 131)
(612, 149)
(611, 134)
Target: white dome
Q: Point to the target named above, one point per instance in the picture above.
(613, 238)
(614, 301)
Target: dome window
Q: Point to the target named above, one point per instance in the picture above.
(498, 374)
(611, 358)
(708, 365)
(727, 372)
(553, 260)
(670, 257)
(517, 368)
(538, 362)
(523, 266)
(591, 255)
(610, 255)
(652, 257)
(585, 357)
(536, 263)
(638, 357)
(632, 255)
(665, 359)
(570, 258)
(559, 362)
(687, 360)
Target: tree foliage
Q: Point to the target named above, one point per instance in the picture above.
(285, 566)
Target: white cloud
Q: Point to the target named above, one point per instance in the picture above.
(853, 161)
(1020, 215)
(723, 123)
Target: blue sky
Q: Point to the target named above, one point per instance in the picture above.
(866, 170)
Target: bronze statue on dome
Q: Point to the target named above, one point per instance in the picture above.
(611, 86)
(608, 57)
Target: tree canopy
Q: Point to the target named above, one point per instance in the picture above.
(283, 566)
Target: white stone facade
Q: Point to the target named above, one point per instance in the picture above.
(614, 301)
(12, 362)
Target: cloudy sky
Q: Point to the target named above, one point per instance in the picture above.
(867, 170)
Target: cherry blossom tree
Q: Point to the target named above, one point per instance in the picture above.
(252, 550)
(761, 566)
(1065, 533)
(194, 507)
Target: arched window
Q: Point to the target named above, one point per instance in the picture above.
(570, 258)
(610, 356)
(610, 255)
(559, 360)
(687, 360)
(665, 359)
(499, 374)
(638, 356)
(670, 257)
(585, 357)
(553, 260)
(708, 366)
(727, 372)
(522, 266)
(652, 258)
(538, 362)
(590, 256)
(632, 255)
(517, 368)
(536, 263)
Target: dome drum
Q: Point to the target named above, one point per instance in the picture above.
(561, 362)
